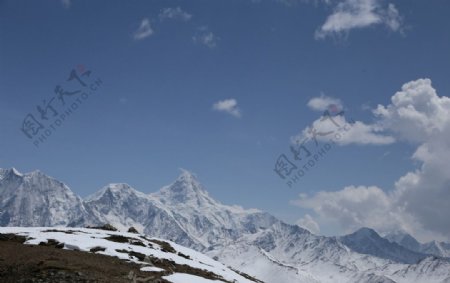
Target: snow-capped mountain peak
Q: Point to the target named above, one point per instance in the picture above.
(366, 232)
(186, 191)
(368, 241)
(15, 172)
(117, 189)
(35, 199)
(8, 173)
(404, 239)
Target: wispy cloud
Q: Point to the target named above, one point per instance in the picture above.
(202, 36)
(205, 37)
(145, 30)
(358, 14)
(228, 106)
(175, 14)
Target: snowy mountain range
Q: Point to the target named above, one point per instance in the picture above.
(248, 240)
(441, 249)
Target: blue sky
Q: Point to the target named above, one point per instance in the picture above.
(220, 88)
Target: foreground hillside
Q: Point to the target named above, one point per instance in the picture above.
(93, 255)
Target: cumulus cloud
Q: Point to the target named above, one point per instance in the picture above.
(145, 30)
(309, 224)
(354, 207)
(175, 14)
(322, 102)
(228, 106)
(205, 37)
(418, 202)
(324, 128)
(357, 132)
(416, 113)
(358, 14)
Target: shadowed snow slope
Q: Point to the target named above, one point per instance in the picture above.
(35, 199)
(441, 249)
(367, 241)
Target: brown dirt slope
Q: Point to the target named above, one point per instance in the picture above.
(28, 263)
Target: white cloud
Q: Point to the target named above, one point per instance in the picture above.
(144, 30)
(419, 201)
(309, 224)
(356, 133)
(174, 13)
(361, 133)
(416, 113)
(326, 127)
(229, 106)
(353, 207)
(357, 14)
(392, 18)
(322, 102)
(206, 37)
